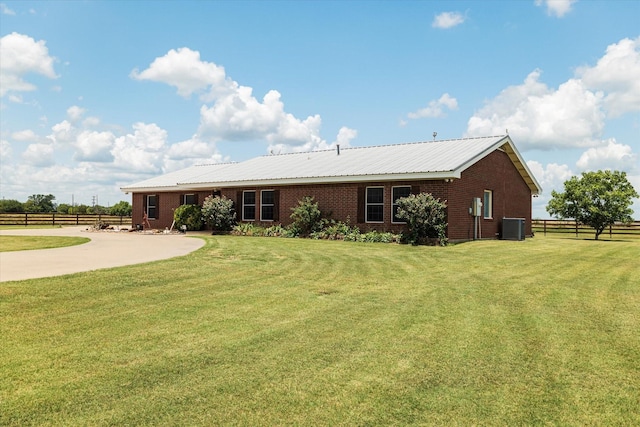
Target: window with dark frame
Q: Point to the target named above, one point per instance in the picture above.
(189, 199)
(398, 193)
(267, 205)
(152, 206)
(249, 206)
(487, 204)
(374, 206)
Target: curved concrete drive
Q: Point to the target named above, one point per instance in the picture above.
(106, 249)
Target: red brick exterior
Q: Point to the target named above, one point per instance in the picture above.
(495, 172)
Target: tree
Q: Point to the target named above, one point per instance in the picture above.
(425, 216)
(218, 212)
(64, 208)
(40, 203)
(597, 199)
(10, 205)
(121, 208)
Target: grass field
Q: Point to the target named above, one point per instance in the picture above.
(264, 331)
(26, 243)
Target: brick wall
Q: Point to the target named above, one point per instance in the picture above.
(495, 172)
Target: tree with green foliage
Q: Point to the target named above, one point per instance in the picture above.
(121, 208)
(10, 205)
(597, 199)
(64, 208)
(307, 217)
(425, 216)
(40, 203)
(219, 213)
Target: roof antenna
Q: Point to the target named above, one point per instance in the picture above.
(338, 149)
(434, 135)
(507, 131)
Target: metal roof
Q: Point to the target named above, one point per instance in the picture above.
(439, 159)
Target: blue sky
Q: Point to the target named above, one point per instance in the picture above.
(97, 95)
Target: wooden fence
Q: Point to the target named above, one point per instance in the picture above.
(569, 226)
(54, 219)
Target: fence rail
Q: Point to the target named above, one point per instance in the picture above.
(53, 219)
(569, 226)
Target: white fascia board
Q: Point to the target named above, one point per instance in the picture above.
(324, 180)
(163, 189)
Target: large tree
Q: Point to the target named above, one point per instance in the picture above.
(121, 208)
(597, 199)
(40, 203)
(10, 205)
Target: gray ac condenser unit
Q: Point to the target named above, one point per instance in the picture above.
(513, 228)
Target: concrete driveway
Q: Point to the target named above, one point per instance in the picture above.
(106, 249)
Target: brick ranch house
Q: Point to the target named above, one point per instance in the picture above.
(359, 185)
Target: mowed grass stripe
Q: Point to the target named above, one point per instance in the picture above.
(259, 331)
(27, 243)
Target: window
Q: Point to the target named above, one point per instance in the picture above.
(189, 199)
(267, 205)
(249, 206)
(487, 204)
(398, 193)
(374, 209)
(152, 207)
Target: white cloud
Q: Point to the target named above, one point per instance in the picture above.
(21, 55)
(231, 112)
(617, 73)
(25, 135)
(345, 135)
(435, 108)
(613, 156)
(94, 146)
(447, 20)
(141, 151)
(557, 8)
(75, 113)
(39, 155)
(5, 10)
(183, 69)
(5, 150)
(541, 117)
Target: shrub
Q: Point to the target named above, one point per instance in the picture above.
(425, 216)
(188, 215)
(276, 231)
(219, 213)
(306, 217)
(246, 229)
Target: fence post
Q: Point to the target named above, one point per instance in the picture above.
(53, 219)
(610, 231)
(576, 228)
(544, 224)
(77, 219)
(26, 219)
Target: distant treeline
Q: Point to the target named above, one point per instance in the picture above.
(45, 203)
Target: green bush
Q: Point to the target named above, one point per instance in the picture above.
(306, 217)
(188, 215)
(425, 216)
(218, 212)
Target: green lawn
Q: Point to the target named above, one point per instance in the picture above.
(265, 331)
(26, 243)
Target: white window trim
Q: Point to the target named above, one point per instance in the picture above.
(367, 204)
(490, 204)
(393, 203)
(267, 204)
(154, 206)
(249, 204)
